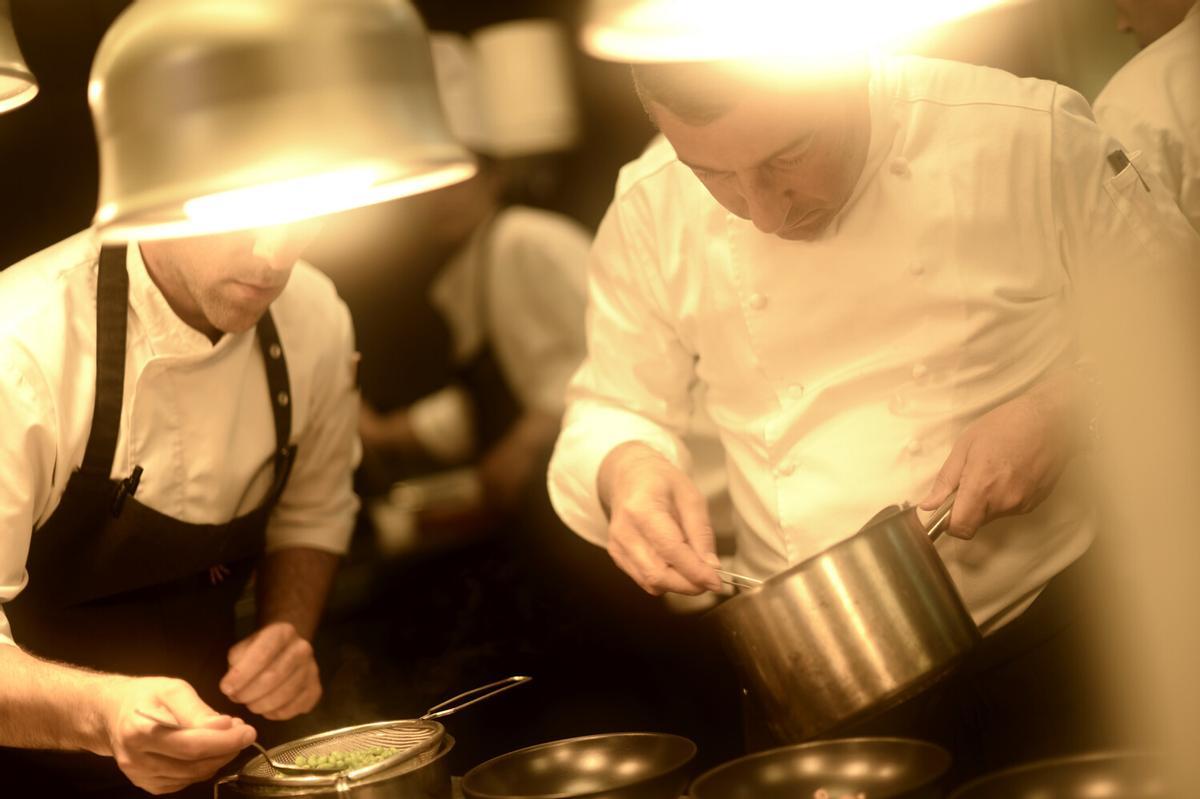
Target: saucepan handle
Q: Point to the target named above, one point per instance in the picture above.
(940, 520)
(217, 785)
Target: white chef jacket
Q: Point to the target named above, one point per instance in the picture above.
(1153, 104)
(197, 417)
(840, 372)
(519, 284)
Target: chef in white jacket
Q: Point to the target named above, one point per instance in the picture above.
(872, 274)
(1153, 103)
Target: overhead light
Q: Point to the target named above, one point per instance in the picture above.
(17, 84)
(219, 115)
(802, 32)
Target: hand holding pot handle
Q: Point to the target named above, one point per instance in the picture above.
(940, 519)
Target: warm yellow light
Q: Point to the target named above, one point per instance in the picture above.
(20, 96)
(284, 201)
(801, 33)
(281, 201)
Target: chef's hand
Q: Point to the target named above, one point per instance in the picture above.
(162, 760)
(274, 673)
(386, 432)
(658, 530)
(1008, 460)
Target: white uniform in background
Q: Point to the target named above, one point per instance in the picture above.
(840, 372)
(195, 415)
(518, 285)
(1153, 104)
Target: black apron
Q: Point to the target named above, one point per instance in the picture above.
(117, 586)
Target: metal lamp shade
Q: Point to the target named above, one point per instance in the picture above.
(218, 115)
(17, 84)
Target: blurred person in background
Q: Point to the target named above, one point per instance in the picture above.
(179, 416)
(512, 293)
(1153, 103)
(873, 273)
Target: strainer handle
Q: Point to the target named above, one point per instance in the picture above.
(481, 693)
(217, 785)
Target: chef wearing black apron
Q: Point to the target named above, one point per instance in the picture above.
(118, 587)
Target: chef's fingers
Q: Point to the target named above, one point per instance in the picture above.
(697, 528)
(183, 704)
(970, 506)
(665, 536)
(286, 689)
(196, 744)
(651, 572)
(685, 572)
(303, 702)
(158, 767)
(948, 477)
(295, 655)
(249, 657)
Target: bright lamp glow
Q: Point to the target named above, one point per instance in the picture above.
(222, 115)
(269, 204)
(805, 33)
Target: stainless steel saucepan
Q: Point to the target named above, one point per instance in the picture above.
(851, 631)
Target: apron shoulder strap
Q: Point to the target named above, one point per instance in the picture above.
(112, 302)
(279, 386)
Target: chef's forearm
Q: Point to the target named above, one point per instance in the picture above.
(293, 584)
(45, 705)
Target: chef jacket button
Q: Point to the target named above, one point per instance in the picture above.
(795, 391)
(758, 301)
(275, 351)
(899, 167)
(913, 447)
(282, 398)
(919, 371)
(916, 267)
(786, 468)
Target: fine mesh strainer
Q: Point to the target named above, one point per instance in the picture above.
(416, 742)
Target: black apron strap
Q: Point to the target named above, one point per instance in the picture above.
(112, 302)
(279, 387)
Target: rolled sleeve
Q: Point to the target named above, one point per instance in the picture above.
(634, 384)
(318, 507)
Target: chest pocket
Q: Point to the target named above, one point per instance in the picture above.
(1137, 197)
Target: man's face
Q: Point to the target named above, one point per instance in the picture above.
(785, 160)
(224, 283)
(1147, 20)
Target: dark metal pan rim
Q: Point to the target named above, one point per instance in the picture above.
(690, 749)
(913, 743)
(1053, 762)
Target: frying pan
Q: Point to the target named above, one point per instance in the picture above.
(637, 765)
(880, 768)
(1109, 775)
